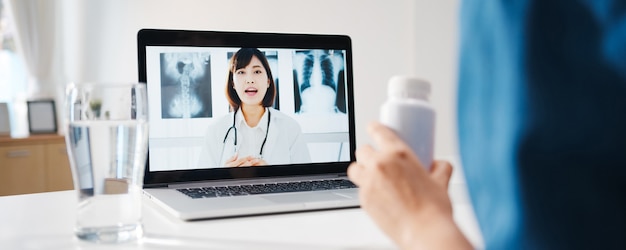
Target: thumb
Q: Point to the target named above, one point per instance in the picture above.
(441, 172)
(355, 173)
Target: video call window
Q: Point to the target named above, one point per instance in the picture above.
(190, 84)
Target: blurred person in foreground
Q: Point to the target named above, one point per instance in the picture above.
(542, 129)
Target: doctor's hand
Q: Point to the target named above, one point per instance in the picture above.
(235, 161)
(409, 203)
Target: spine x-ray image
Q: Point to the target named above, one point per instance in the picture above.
(319, 82)
(185, 85)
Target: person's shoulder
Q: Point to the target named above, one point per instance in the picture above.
(220, 122)
(223, 119)
(284, 118)
(277, 114)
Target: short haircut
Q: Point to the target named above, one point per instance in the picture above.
(241, 59)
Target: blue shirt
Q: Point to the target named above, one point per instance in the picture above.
(542, 121)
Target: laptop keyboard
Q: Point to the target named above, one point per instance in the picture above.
(209, 192)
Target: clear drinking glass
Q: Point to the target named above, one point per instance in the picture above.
(107, 140)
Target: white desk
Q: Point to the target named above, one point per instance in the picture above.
(46, 221)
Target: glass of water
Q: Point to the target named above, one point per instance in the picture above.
(107, 140)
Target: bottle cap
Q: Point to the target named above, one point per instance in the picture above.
(408, 87)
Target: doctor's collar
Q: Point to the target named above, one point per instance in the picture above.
(240, 121)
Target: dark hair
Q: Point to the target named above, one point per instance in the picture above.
(240, 60)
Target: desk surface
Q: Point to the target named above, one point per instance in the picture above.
(46, 221)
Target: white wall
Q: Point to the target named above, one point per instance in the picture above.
(417, 37)
(389, 37)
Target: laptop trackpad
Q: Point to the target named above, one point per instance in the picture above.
(305, 198)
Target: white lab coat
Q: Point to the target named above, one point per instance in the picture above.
(284, 144)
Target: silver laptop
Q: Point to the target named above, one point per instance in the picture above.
(247, 123)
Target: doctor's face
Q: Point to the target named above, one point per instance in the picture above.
(251, 82)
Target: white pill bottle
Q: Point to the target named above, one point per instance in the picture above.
(408, 112)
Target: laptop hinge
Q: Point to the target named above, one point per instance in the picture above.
(256, 180)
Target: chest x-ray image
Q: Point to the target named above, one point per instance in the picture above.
(185, 85)
(319, 82)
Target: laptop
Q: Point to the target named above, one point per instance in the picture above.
(202, 151)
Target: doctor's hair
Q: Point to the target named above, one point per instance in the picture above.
(241, 59)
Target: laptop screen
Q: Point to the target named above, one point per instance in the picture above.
(241, 105)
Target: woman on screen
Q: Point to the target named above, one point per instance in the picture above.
(253, 134)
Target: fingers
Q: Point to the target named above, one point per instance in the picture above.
(253, 162)
(257, 162)
(249, 161)
(245, 161)
(441, 172)
(232, 161)
(232, 158)
(365, 154)
(355, 173)
(384, 137)
(237, 162)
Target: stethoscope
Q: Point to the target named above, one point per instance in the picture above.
(234, 129)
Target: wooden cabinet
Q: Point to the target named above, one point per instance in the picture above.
(58, 172)
(35, 164)
(21, 170)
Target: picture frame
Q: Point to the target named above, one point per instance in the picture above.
(42, 117)
(5, 120)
